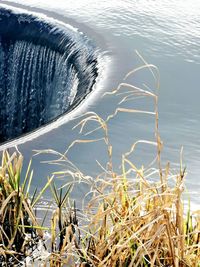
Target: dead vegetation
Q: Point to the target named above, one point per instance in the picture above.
(135, 217)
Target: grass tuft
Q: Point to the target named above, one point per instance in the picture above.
(135, 216)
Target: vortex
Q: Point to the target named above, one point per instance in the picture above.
(46, 70)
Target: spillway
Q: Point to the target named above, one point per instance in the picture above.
(46, 70)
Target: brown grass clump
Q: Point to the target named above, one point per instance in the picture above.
(17, 220)
(141, 224)
(22, 235)
(134, 218)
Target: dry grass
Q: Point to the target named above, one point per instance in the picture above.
(141, 224)
(17, 221)
(134, 218)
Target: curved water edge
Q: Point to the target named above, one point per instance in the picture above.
(47, 68)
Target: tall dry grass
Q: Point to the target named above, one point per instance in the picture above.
(135, 216)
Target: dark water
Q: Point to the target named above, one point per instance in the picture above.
(167, 34)
(45, 71)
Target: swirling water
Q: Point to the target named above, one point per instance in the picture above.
(167, 34)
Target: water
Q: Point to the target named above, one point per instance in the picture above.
(45, 71)
(167, 34)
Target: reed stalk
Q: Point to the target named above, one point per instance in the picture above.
(135, 216)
